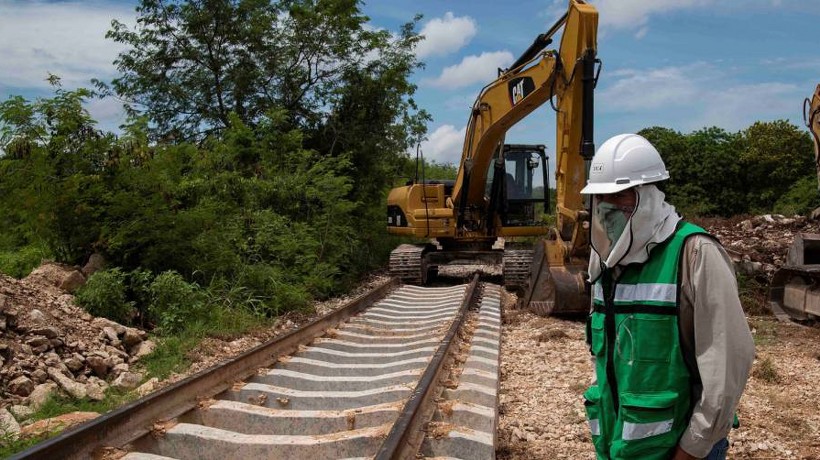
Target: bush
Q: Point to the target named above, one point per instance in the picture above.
(105, 294)
(20, 262)
(174, 302)
(801, 198)
(753, 295)
(766, 371)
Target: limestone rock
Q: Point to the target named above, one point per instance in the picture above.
(131, 337)
(39, 376)
(147, 387)
(144, 348)
(119, 369)
(76, 390)
(37, 317)
(64, 277)
(94, 391)
(99, 323)
(21, 386)
(50, 332)
(57, 423)
(111, 334)
(99, 365)
(73, 364)
(95, 263)
(127, 381)
(21, 412)
(8, 425)
(72, 282)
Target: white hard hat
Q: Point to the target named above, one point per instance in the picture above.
(624, 161)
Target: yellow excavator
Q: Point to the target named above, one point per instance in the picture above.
(795, 288)
(495, 194)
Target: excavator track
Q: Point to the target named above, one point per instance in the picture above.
(407, 263)
(516, 268)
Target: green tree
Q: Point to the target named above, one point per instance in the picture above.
(705, 174)
(190, 64)
(774, 156)
(52, 180)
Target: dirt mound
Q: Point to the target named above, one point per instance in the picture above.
(48, 343)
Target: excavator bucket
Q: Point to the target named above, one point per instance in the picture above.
(795, 289)
(555, 289)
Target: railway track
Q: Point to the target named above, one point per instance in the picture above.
(401, 372)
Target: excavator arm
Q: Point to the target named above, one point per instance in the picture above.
(811, 116)
(566, 78)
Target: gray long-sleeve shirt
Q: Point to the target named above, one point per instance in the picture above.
(716, 342)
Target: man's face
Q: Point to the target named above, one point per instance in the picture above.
(625, 200)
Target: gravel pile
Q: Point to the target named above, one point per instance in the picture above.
(759, 244)
(48, 345)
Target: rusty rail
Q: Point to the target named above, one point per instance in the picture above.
(404, 439)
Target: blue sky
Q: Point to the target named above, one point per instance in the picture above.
(682, 64)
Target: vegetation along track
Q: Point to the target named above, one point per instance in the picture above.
(390, 375)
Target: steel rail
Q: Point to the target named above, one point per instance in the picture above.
(406, 436)
(136, 419)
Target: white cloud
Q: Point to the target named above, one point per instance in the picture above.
(472, 69)
(691, 97)
(444, 145)
(739, 106)
(634, 90)
(66, 39)
(635, 14)
(445, 35)
(108, 112)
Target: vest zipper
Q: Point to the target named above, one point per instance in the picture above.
(609, 324)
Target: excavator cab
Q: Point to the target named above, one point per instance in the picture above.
(525, 170)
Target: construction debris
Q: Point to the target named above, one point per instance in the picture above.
(758, 244)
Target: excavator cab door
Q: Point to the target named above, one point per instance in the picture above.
(526, 191)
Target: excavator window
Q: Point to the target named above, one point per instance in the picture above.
(524, 178)
(524, 189)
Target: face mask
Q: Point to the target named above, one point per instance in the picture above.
(614, 220)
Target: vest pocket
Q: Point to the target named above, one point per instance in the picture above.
(647, 421)
(596, 333)
(656, 337)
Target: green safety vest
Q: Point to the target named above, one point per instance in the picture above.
(641, 403)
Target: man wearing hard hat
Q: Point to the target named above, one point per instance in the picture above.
(670, 342)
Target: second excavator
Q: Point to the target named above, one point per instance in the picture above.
(494, 196)
(794, 291)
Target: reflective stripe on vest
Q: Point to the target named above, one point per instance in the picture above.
(663, 293)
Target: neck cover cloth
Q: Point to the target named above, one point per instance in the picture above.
(653, 222)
